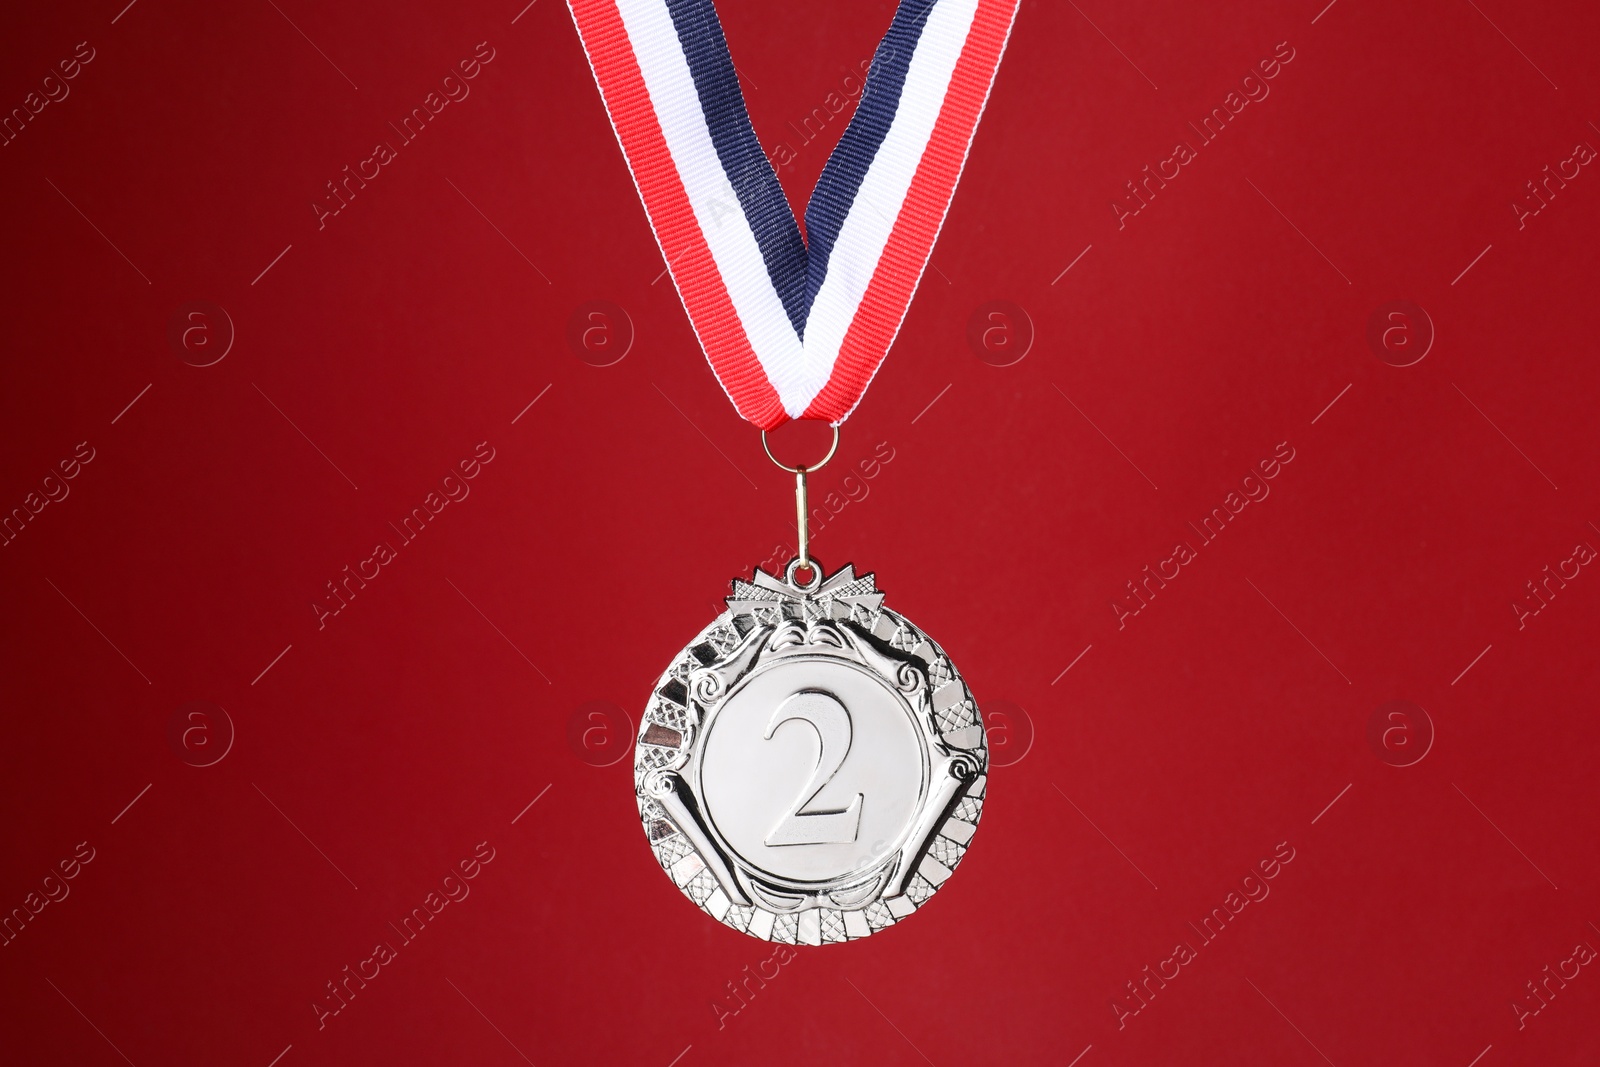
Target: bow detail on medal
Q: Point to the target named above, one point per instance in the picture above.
(793, 326)
(798, 602)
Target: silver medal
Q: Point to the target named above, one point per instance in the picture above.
(811, 768)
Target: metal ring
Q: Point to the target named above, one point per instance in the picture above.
(811, 565)
(802, 470)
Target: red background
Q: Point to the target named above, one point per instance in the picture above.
(375, 753)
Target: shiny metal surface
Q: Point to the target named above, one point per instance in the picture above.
(811, 768)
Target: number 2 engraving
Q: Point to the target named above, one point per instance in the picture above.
(828, 717)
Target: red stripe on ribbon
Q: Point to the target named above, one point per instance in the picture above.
(894, 281)
(694, 271)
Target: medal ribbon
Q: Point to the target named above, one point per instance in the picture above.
(794, 327)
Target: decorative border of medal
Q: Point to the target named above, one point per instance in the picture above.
(765, 618)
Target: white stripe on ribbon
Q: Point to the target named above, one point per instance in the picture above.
(877, 205)
(716, 207)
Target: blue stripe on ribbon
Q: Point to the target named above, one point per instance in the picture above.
(745, 164)
(797, 265)
(847, 167)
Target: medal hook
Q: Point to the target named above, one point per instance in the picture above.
(801, 508)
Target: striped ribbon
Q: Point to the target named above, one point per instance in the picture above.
(795, 327)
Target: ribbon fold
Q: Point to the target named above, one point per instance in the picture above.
(794, 327)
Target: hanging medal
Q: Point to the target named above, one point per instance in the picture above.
(811, 767)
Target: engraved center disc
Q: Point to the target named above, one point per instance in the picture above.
(812, 769)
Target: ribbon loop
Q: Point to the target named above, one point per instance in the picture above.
(793, 327)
